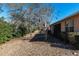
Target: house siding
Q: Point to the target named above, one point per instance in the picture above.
(63, 26)
(76, 23)
(72, 25)
(75, 19)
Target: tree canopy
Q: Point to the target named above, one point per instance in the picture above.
(27, 17)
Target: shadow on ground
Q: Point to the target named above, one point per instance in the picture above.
(38, 37)
(52, 41)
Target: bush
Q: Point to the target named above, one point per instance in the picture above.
(22, 30)
(17, 33)
(5, 32)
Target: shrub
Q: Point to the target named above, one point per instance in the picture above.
(5, 32)
(20, 31)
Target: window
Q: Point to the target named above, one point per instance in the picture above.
(70, 26)
(69, 29)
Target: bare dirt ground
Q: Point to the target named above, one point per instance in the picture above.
(20, 47)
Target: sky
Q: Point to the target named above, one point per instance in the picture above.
(61, 10)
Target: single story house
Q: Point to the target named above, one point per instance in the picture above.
(67, 28)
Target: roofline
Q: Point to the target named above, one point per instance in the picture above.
(65, 18)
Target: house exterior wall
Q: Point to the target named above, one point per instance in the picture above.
(76, 23)
(72, 21)
(75, 19)
(52, 29)
(63, 26)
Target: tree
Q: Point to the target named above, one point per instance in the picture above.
(30, 16)
(40, 14)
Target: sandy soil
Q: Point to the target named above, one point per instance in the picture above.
(18, 47)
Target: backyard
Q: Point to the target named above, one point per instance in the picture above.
(29, 30)
(33, 47)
